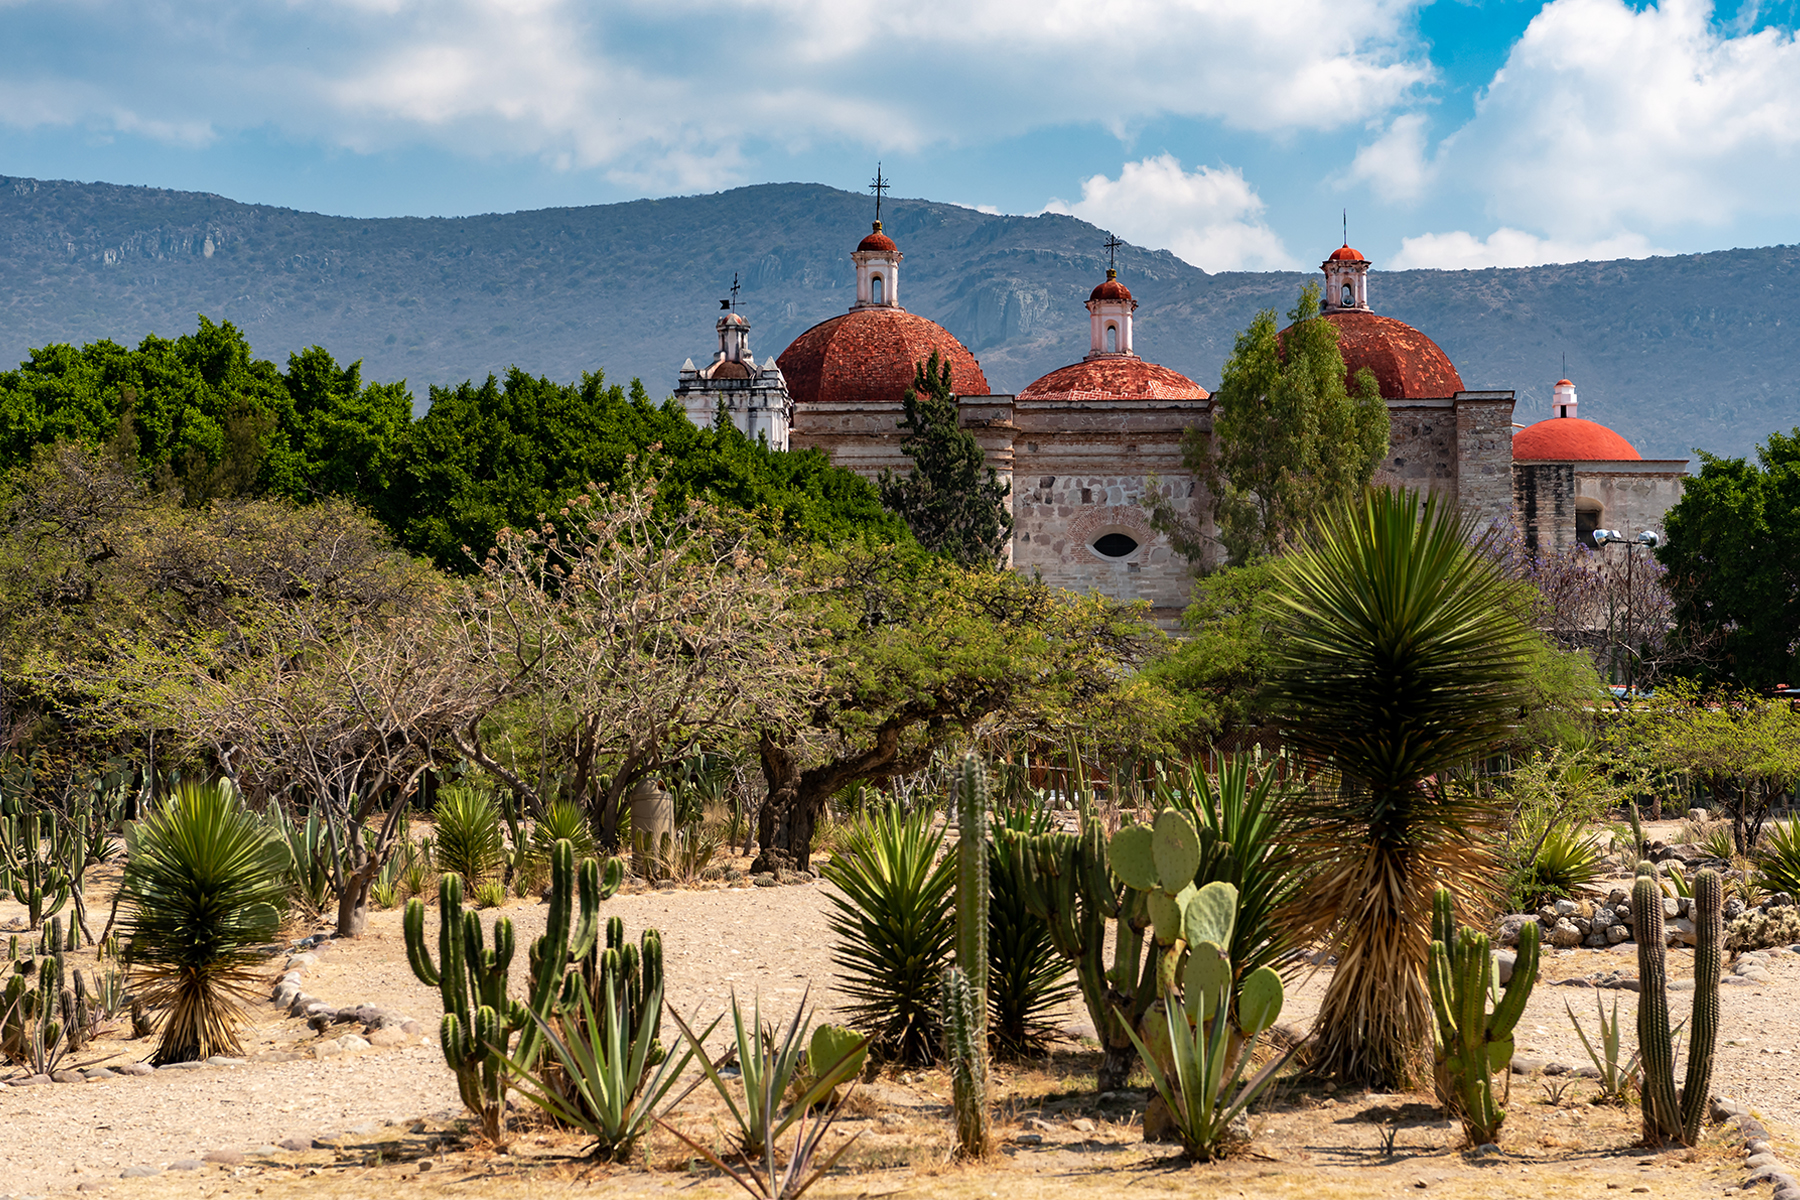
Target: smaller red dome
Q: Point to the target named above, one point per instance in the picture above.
(877, 241)
(1113, 377)
(1112, 289)
(1571, 439)
(1346, 254)
(1564, 383)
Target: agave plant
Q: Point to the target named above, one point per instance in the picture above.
(893, 929)
(1562, 862)
(469, 842)
(563, 820)
(1027, 979)
(1778, 859)
(1404, 656)
(203, 881)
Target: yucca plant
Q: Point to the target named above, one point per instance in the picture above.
(563, 820)
(1403, 656)
(1778, 858)
(1027, 979)
(469, 842)
(204, 879)
(1563, 861)
(893, 930)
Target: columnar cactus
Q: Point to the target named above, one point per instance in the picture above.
(965, 1040)
(965, 984)
(480, 1021)
(1670, 1116)
(1471, 1044)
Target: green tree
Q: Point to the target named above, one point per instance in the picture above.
(1404, 657)
(952, 500)
(1289, 438)
(1733, 556)
(1216, 673)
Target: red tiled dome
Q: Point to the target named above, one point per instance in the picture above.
(1111, 289)
(1571, 439)
(1346, 254)
(877, 241)
(1407, 364)
(868, 356)
(1120, 376)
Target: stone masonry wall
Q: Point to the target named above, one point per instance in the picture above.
(1544, 506)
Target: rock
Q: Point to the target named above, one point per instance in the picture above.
(1575, 982)
(186, 1164)
(1503, 964)
(1623, 912)
(1521, 1065)
(1626, 984)
(303, 960)
(301, 1003)
(136, 1069)
(1754, 975)
(1508, 933)
(1681, 985)
(68, 1077)
(1770, 1174)
(1487, 1150)
(388, 1037)
(1756, 1146)
(1617, 934)
(95, 1073)
(327, 1050)
(1761, 1160)
(1565, 935)
(30, 1081)
(183, 1066)
(1734, 908)
(1566, 908)
(1617, 897)
(1605, 917)
(391, 1020)
(1699, 816)
(1036, 1139)
(351, 1043)
(1596, 940)
(90, 1185)
(143, 1171)
(1671, 910)
(224, 1060)
(285, 994)
(1082, 1125)
(1684, 931)
(412, 1029)
(296, 1143)
(225, 1158)
(1586, 1072)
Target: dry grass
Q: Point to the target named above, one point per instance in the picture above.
(1055, 1138)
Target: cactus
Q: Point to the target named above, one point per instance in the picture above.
(1671, 1116)
(965, 984)
(480, 1021)
(1197, 1051)
(635, 973)
(965, 1040)
(40, 1020)
(1471, 1044)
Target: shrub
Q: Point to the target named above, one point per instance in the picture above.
(563, 820)
(202, 885)
(893, 930)
(1563, 861)
(469, 843)
(1760, 929)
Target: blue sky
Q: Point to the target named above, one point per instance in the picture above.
(1232, 132)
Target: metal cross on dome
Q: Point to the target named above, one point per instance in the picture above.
(1112, 245)
(731, 304)
(879, 185)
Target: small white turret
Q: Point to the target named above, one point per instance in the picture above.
(1562, 399)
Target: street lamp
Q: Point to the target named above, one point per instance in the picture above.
(1649, 540)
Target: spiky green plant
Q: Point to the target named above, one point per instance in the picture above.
(563, 820)
(892, 929)
(1669, 1115)
(1403, 656)
(1471, 1043)
(1778, 858)
(469, 841)
(1614, 1073)
(204, 879)
(1559, 863)
(1028, 979)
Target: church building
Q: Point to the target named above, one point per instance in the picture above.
(1081, 447)
(753, 398)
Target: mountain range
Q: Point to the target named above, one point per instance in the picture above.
(1676, 353)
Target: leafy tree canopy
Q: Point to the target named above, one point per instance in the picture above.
(1288, 440)
(952, 500)
(1734, 560)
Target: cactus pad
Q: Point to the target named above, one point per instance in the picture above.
(1211, 915)
(1175, 849)
(1259, 1001)
(1133, 857)
(1205, 980)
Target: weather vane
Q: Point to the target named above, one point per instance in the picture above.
(879, 185)
(1346, 227)
(1112, 249)
(731, 304)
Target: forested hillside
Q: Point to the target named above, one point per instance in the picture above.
(1673, 352)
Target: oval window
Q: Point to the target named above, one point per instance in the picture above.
(1115, 545)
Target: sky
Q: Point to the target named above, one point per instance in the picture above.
(1235, 133)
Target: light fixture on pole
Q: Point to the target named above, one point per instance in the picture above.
(1648, 539)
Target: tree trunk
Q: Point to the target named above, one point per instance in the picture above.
(353, 901)
(786, 819)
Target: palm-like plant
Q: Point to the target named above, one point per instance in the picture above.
(1404, 656)
(203, 882)
(469, 841)
(893, 929)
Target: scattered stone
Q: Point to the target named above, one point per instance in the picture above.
(1556, 1068)
(136, 1069)
(225, 1060)
(388, 1037)
(183, 1066)
(186, 1164)
(1564, 935)
(1724, 1108)
(1039, 1124)
(351, 1043)
(296, 1143)
(1761, 1160)
(1757, 1146)
(327, 1050)
(1503, 966)
(140, 1172)
(1566, 908)
(94, 1073)
(1617, 934)
(1521, 1065)
(1031, 1139)
(1082, 1125)
(1487, 1150)
(285, 993)
(412, 1029)
(225, 1158)
(1681, 985)
(303, 960)
(301, 1003)
(30, 1081)
(1576, 982)
(1510, 927)
(68, 1076)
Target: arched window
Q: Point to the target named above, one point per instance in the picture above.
(1112, 339)
(875, 289)
(1349, 296)
(1588, 515)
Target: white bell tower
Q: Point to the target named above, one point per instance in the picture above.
(1346, 281)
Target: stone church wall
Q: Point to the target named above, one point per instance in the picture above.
(1422, 443)
(1633, 496)
(1544, 506)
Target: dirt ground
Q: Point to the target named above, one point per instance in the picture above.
(387, 1118)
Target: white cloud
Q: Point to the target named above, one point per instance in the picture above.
(1210, 217)
(1512, 248)
(1394, 165)
(1609, 118)
(665, 93)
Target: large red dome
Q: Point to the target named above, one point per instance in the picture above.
(1571, 439)
(1407, 365)
(867, 356)
(1114, 376)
